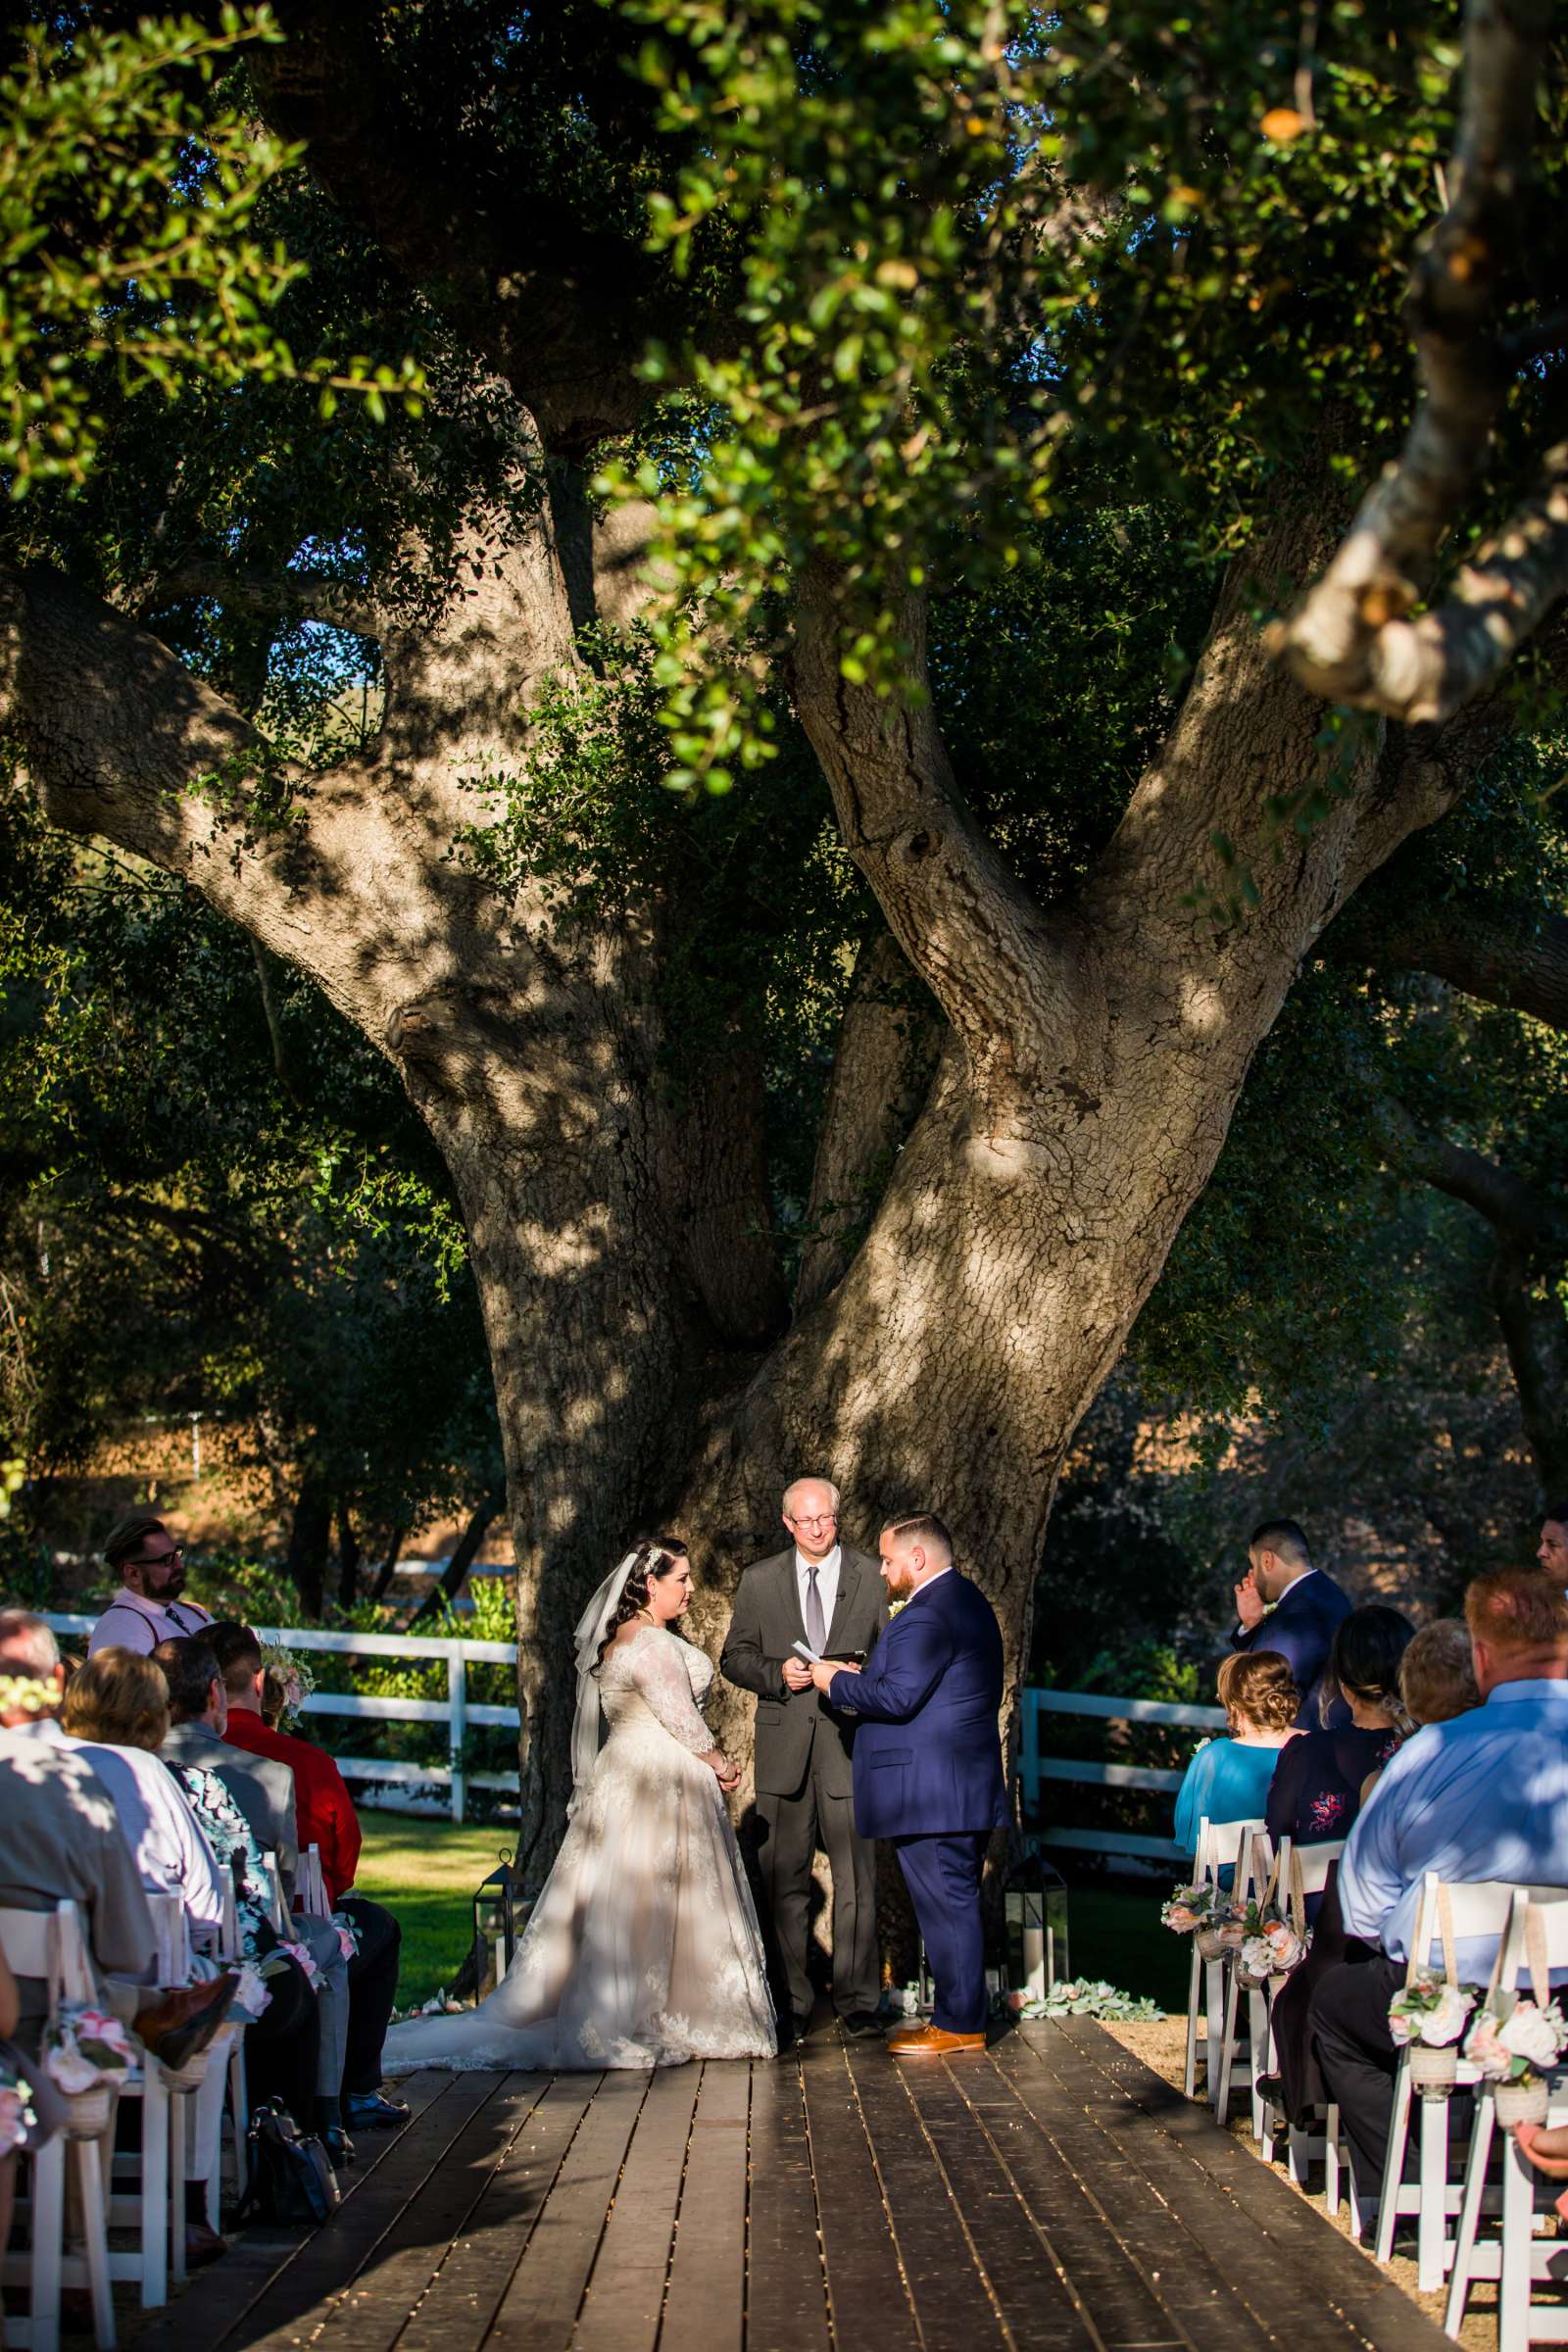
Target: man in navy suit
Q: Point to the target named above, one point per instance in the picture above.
(1284, 1603)
(928, 1764)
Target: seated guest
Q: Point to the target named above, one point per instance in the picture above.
(28, 1645)
(1316, 1791)
(1229, 1778)
(1552, 1552)
(223, 1783)
(1316, 1795)
(324, 1817)
(147, 1608)
(1483, 1795)
(1437, 1673)
(115, 1716)
(1437, 1680)
(262, 1787)
(60, 1839)
(1286, 1605)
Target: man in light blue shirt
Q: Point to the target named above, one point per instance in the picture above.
(1482, 1796)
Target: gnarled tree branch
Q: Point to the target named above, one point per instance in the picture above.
(1351, 639)
(887, 1047)
(276, 596)
(962, 917)
(1517, 958)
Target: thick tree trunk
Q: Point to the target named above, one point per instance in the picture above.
(348, 1555)
(1093, 1055)
(310, 1538)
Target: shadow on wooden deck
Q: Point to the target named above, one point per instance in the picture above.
(1053, 2193)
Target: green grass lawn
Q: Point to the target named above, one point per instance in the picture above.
(425, 1873)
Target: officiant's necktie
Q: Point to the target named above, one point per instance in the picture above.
(815, 1628)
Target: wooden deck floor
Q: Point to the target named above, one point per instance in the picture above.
(1055, 2193)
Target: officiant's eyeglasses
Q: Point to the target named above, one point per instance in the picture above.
(813, 1519)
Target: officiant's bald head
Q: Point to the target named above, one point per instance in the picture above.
(811, 1515)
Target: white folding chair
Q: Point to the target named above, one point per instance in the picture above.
(50, 1944)
(1254, 1871)
(1221, 1844)
(1450, 1913)
(310, 1885)
(1535, 1947)
(1307, 1870)
(225, 1946)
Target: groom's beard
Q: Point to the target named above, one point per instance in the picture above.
(900, 1587)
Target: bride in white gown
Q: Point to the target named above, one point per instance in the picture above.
(643, 1948)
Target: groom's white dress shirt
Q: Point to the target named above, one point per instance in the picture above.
(827, 1583)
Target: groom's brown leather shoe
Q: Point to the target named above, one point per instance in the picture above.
(931, 2041)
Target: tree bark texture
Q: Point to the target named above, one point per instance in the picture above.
(1090, 1056)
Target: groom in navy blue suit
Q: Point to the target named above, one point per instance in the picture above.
(928, 1764)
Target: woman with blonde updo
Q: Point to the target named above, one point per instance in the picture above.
(116, 1711)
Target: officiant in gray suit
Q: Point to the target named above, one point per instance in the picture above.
(831, 1597)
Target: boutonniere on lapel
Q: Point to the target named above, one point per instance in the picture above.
(894, 1606)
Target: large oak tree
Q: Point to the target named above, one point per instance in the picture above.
(862, 305)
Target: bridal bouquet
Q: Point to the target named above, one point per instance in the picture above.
(348, 1934)
(86, 2048)
(17, 2116)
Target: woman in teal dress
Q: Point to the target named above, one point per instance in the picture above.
(1228, 1778)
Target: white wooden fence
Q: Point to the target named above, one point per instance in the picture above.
(456, 1710)
(1034, 1769)
(457, 1713)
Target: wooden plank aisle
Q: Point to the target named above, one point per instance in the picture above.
(928, 2213)
(1079, 2190)
(624, 2301)
(328, 2263)
(539, 2309)
(1286, 2265)
(786, 2287)
(705, 2301)
(1051, 2195)
(216, 2307)
(456, 2312)
(1326, 2265)
(371, 2314)
(867, 2296)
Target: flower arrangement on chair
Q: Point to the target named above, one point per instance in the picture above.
(1427, 2017)
(18, 2117)
(87, 2053)
(1515, 2043)
(1200, 1910)
(1271, 1945)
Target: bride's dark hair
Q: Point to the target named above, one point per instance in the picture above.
(656, 1557)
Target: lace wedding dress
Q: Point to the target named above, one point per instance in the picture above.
(643, 1948)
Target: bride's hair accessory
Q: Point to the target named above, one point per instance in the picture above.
(652, 1560)
(622, 1593)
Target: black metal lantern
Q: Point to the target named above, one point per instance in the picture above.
(1034, 1900)
(499, 1915)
